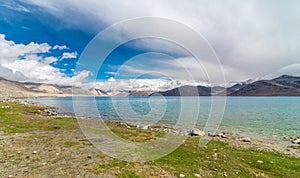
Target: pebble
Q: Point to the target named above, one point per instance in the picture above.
(181, 175)
(89, 156)
(34, 152)
(216, 170)
(10, 176)
(146, 127)
(44, 164)
(56, 154)
(197, 175)
(245, 139)
(223, 136)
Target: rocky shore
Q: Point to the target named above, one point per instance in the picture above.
(293, 149)
(51, 145)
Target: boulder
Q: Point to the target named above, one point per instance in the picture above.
(296, 141)
(211, 135)
(222, 135)
(197, 132)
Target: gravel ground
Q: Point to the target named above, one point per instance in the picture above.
(62, 153)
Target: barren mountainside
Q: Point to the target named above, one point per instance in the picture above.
(281, 86)
(18, 89)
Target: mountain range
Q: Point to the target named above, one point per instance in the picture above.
(282, 86)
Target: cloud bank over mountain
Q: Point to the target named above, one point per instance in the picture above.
(41, 41)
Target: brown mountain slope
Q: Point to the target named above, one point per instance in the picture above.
(12, 89)
(282, 86)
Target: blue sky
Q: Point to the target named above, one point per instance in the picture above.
(42, 40)
(24, 23)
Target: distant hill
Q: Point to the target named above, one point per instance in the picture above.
(187, 91)
(141, 93)
(17, 89)
(282, 86)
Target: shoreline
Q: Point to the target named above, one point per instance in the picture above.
(293, 149)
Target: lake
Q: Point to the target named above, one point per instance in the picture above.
(263, 118)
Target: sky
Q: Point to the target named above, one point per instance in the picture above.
(42, 41)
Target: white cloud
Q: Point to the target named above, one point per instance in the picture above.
(293, 70)
(11, 75)
(159, 65)
(111, 73)
(111, 79)
(14, 6)
(50, 60)
(11, 50)
(251, 38)
(67, 55)
(60, 47)
(142, 84)
(33, 67)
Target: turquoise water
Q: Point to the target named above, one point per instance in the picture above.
(265, 118)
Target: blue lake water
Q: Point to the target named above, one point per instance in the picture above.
(265, 118)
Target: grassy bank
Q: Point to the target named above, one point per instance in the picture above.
(60, 142)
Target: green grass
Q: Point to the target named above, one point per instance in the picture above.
(214, 160)
(133, 133)
(189, 159)
(127, 174)
(69, 144)
(19, 119)
(114, 164)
